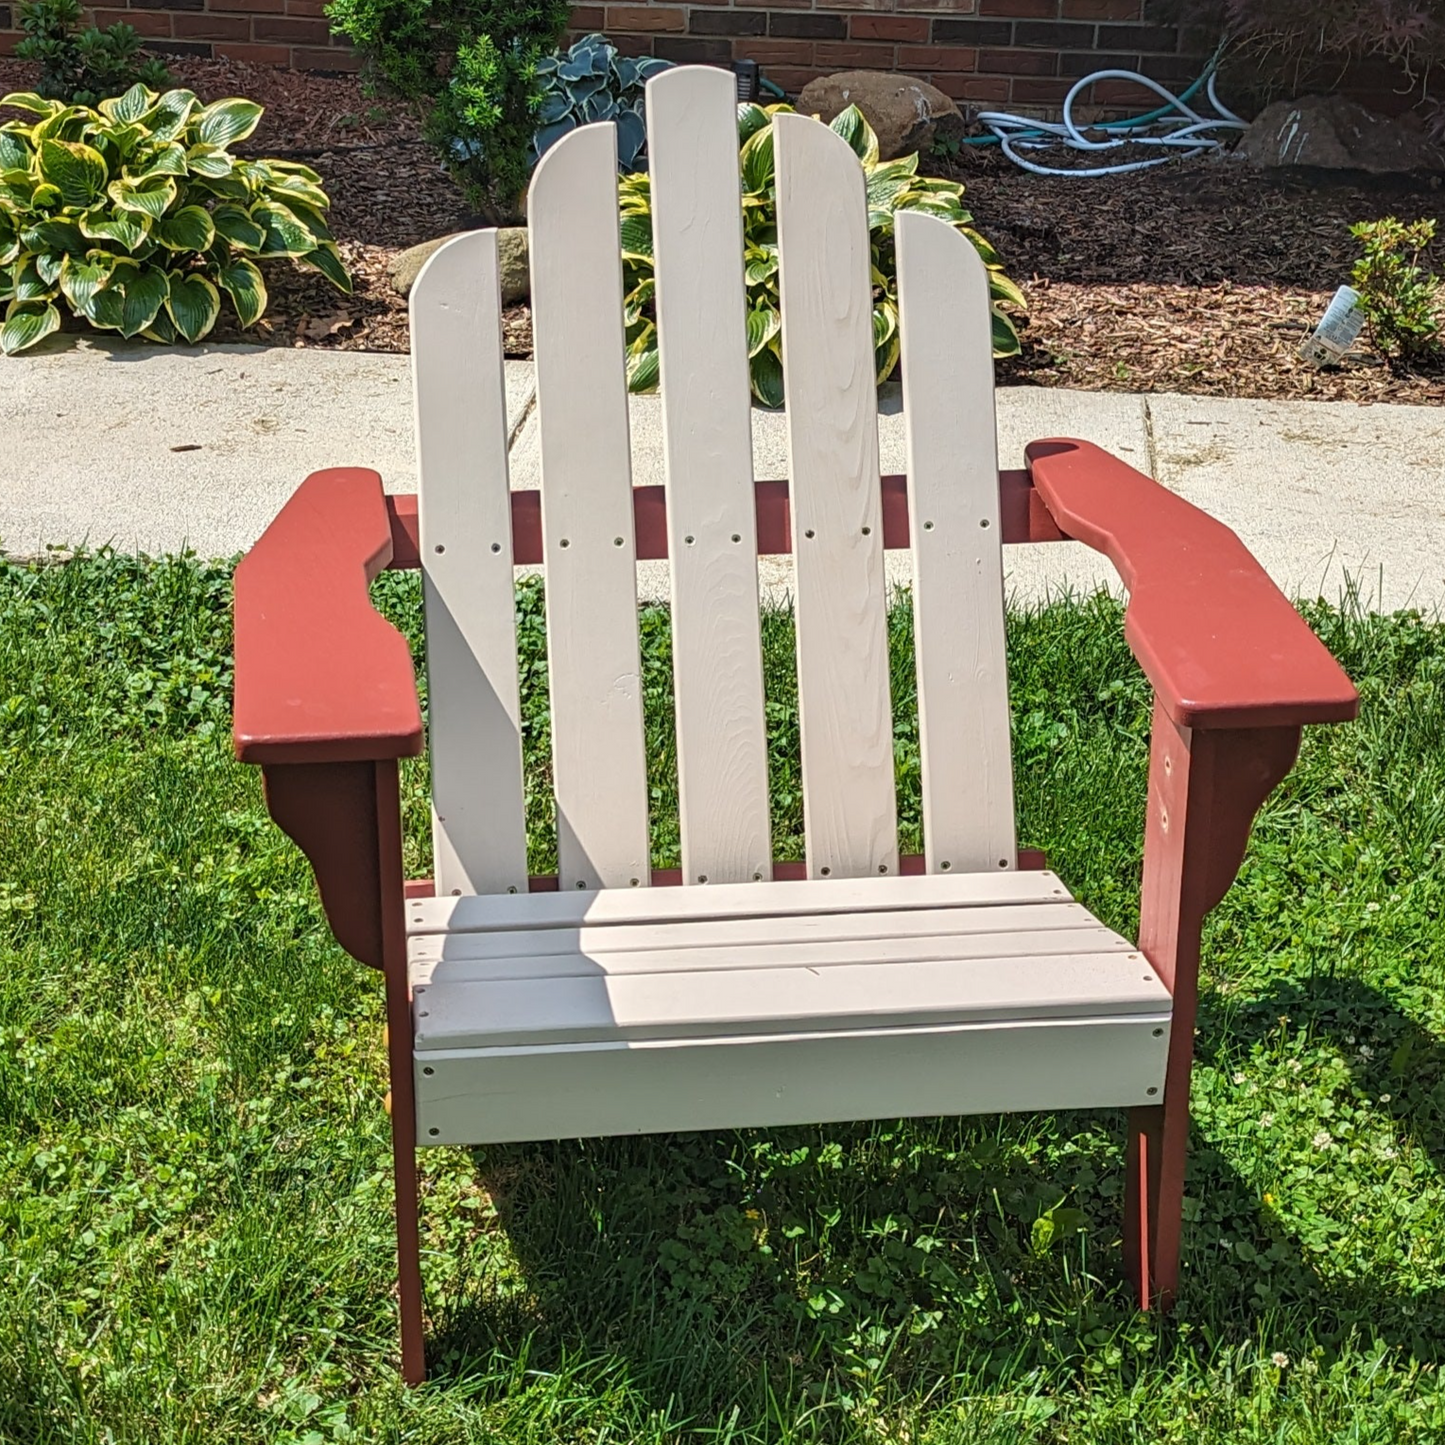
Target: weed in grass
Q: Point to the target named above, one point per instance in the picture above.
(194, 1174)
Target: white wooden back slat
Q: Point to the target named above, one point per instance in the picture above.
(850, 814)
(953, 501)
(707, 449)
(478, 814)
(599, 768)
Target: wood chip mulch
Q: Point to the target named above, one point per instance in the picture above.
(1202, 276)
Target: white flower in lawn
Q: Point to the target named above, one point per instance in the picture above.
(1349, 1038)
(1389, 1152)
(1295, 1066)
(1372, 908)
(1384, 1098)
(1236, 1079)
(1266, 1121)
(1322, 1140)
(1279, 1360)
(1366, 1052)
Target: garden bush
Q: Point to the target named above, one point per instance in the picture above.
(83, 66)
(1399, 296)
(136, 216)
(473, 62)
(892, 186)
(590, 82)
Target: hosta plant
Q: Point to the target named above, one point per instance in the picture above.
(893, 186)
(592, 81)
(137, 217)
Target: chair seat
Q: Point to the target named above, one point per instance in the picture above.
(644, 1010)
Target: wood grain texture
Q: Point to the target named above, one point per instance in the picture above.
(688, 935)
(849, 806)
(499, 1095)
(571, 908)
(479, 829)
(707, 453)
(953, 498)
(599, 769)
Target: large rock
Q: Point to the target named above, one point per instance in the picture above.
(1328, 132)
(511, 258)
(906, 114)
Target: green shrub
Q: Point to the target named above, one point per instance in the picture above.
(474, 63)
(592, 82)
(1399, 297)
(136, 216)
(892, 186)
(83, 66)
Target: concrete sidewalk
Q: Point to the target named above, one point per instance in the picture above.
(157, 449)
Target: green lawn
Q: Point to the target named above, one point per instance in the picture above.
(194, 1194)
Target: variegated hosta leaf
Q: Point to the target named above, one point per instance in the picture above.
(751, 119)
(193, 305)
(150, 197)
(27, 322)
(49, 265)
(27, 282)
(242, 282)
(885, 324)
(125, 228)
(1005, 337)
(766, 369)
(53, 236)
(1001, 288)
(644, 367)
(327, 259)
(189, 229)
(81, 280)
(161, 330)
(858, 133)
(14, 153)
(284, 234)
(164, 160)
(764, 323)
(31, 103)
(144, 292)
(636, 232)
(44, 196)
(756, 161)
(293, 168)
(633, 303)
(309, 216)
(290, 189)
(224, 122)
(171, 114)
(77, 171)
(128, 107)
(238, 228)
(68, 123)
(210, 161)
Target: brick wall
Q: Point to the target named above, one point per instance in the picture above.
(293, 33)
(1022, 54)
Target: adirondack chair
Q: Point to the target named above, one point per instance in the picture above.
(859, 984)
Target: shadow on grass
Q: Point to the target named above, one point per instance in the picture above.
(647, 1250)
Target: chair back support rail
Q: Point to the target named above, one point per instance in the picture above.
(589, 533)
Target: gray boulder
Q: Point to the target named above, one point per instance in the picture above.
(511, 258)
(1328, 132)
(906, 114)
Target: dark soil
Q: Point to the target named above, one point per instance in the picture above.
(1202, 276)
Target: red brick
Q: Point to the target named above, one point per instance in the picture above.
(587, 19)
(915, 58)
(845, 55)
(888, 27)
(776, 52)
(273, 7)
(337, 58)
(633, 45)
(1021, 9)
(859, 4)
(963, 7)
(146, 22)
(1028, 88)
(308, 8)
(645, 19)
(290, 32)
(772, 5)
(1018, 62)
(212, 27)
(256, 54)
(972, 87)
(1102, 9)
(791, 79)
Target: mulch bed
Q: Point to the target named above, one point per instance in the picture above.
(1200, 277)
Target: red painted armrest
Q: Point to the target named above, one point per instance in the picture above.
(320, 675)
(1218, 640)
